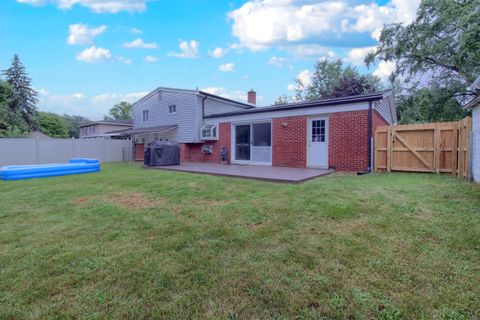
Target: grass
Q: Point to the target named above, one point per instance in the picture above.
(134, 243)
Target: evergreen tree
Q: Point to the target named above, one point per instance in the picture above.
(11, 124)
(24, 98)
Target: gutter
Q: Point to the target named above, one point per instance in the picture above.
(203, 106)
(369, 142)
(296, 106)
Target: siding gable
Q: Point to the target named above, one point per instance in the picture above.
(158, 111)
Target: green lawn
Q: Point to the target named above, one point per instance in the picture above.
(134, 243)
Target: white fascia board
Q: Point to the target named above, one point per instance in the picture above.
(357, 106)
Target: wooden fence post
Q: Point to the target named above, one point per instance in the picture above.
(455, 149)
(389, 149)
(375, 152)
(436, 152)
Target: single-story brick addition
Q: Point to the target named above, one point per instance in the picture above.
(333, 133)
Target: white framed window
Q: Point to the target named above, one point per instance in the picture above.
(144, 115)
(172, 109)
(209, 132)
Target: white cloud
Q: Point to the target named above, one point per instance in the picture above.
(227, 67)
(309, 51)
(91, 106)
(277, 61)
(32, 2)
(136, 31)
(81, 34)
(189, 49)
(305, 77)
(292, 87)
(97, 6)
(217, 52)
(139, 43)
(384, 70)
(260, 24)
(234, 95)
(356, 56)
(151, 59)
(94, 54)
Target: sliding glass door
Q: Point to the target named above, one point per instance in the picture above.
(253, 143)
(242, 142)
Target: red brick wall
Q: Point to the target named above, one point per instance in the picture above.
(193, 151)
(139, 154)
(348, 140)
(289, 143)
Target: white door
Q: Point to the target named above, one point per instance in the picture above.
(317, 141)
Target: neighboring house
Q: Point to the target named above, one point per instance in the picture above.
(329, 133)
(105, 129)
(474, 105)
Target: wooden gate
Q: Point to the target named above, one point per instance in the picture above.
(442, 147)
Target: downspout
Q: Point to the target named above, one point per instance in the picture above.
(203, 106)
(370, 144)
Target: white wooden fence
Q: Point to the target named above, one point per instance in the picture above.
(14, 151)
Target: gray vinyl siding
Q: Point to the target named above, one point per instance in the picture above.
(213, 106)
(384, 109)
(188, 117)
(184, 118)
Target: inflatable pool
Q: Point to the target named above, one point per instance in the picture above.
(74, 166)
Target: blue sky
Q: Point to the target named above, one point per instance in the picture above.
(86, 55)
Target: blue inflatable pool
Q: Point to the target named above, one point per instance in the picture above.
(74, 166)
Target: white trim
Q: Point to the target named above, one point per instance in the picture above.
(214, 126)
(232, 142)
(327, 138)
(357, 106)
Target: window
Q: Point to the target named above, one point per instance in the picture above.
(318, 131)
(172, 109)
(145, 115)
(262, 134)
(209, 132)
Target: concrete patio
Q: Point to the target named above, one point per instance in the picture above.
(268, 173)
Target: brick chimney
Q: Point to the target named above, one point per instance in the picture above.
(252, 97)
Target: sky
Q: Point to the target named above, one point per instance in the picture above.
(86, 55)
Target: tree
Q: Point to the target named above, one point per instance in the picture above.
(11, 124)
(436, 54)
(332, 79)
(53, 124)
(350, 85)
(122, 110)
(24, 97)
(74, 123)
(429, 105)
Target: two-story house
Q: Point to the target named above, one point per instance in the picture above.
(178, 115)
(333, 133)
